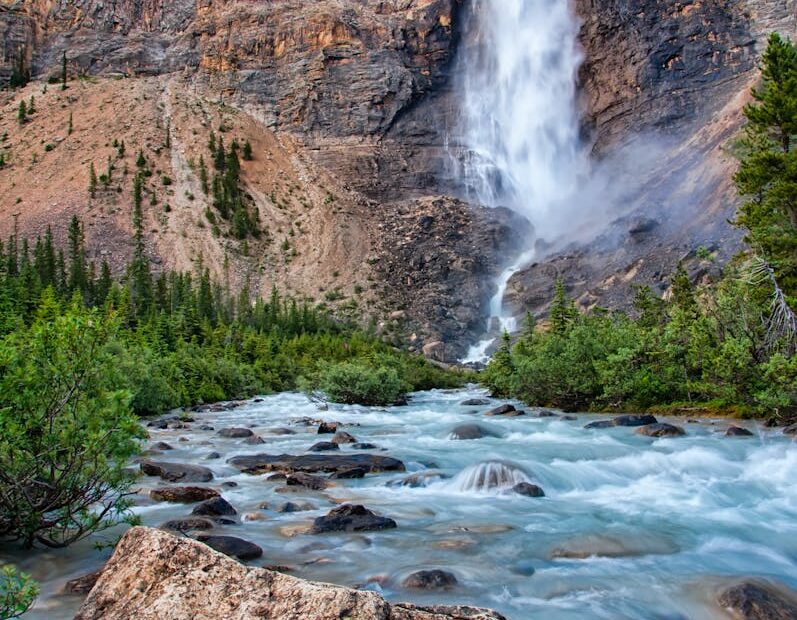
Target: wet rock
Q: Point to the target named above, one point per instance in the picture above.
(544, 413)
(232, 546)
(182, 495)
(475, 402)
(660, 429)
(351, 518)
(176, 472)
(258, 400)
(215, 507)
(82, 584)
(342, 437)
(525, 568)
(235, 433)
(281, 431)
(277, 477)
(323, 446)
(289, 507)
(183, 440)
(314, 463)
(230, 484)
(790, 430)
(253, 516)
(254, 440)
(186, 524)
(737, 431)
(365, 446)
(625, 420)
(528, 489)
(192, 581)
(470, 431)
(207, 427)
(430, 580)
(299, 479)
(568, 418)
(212, 456)
(612, 546)
(354, 472)
(327, 428)
(508, 410)
(419, 479)
(161, 445)
(758, 601)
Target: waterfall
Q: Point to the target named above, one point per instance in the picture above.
(519, 133)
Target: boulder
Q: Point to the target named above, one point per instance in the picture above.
(235, 433)
(232, 546)
(182, 495)
(758, 601)
(216, 507)
(186, 524)
(161, 445)
(153, 575)
(790, 430)
(419, 479)
(254, 440)
(342, 437)
(475, 402)
(212, 456)
(351, 518)
(625, 420)
(660, 429)
(288, 507)
(364, 446)
(323, 446)
(502, 410)
(300, 479)
(470, 431)
(327, 428)
(430, 580)
(528, 489)
(544, 413)
(176, 472)
(281, 431)
(354, 472)
(314, 463)
(737, 431)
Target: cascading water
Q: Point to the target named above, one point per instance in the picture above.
(489, 476)
(520, 127)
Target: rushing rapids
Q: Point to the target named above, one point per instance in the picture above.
(630, 526)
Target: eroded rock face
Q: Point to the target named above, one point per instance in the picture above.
(155, 576)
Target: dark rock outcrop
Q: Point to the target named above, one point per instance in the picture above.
(625, 420)
(470, 431)
(430, 580)
(232, 546)
(182, 495)
(186, 524)
(528, 489)
(351, 518)
(235, 433)
(314, 463)
(758, 601)
(324, 446)
(215, 507)
(660, 430)
(176, 472)
(300, 479)
(737, 431)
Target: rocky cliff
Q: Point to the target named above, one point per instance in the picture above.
(348, 104)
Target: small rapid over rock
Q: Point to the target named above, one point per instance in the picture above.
(488, 477)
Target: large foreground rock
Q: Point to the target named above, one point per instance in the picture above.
(314, 463)
(155, 576)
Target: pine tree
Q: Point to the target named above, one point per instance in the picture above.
(203, 175)
(247, 152)
(77, 276)
(120, 150)
(220, 156)
(141, 162)
(140, 276)
(168, 135)
(563, 311)
(767, 173)
(31, 106)
(92, 180)
(22, 112)
(212, 143)
(69, 125)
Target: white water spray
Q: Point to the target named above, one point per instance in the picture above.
(520, 128)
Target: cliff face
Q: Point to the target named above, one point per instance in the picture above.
(348, 104)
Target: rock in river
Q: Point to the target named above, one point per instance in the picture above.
(342, 437)
(235, 433)
(327, 428)
(176, 472)
(758, 601)
(324, 446)
(624, 420)
(528, 489)
(507, 410)
(232, 546)
(470, 431)
(737, 431)
(475, 402)
(300, 479)
(186, 524)
(182, 495)
(660, 430)
(190, 580)
(314, 463)
(430, 580)
(351, 518)
(216, 507)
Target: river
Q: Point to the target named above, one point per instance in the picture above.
(630, 527)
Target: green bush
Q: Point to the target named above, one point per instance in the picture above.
(17, 593)
(354, 383)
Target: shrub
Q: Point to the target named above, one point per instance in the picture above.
(17, 593)
(356, 383)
